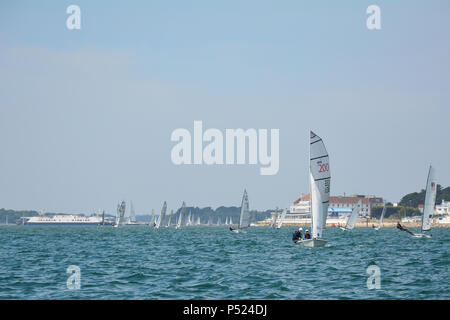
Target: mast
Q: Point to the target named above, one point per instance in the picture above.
(319, 174)
(430, 200)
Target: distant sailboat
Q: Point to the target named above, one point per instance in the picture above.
(428, 207)
(198, 221)
(244, 220)
(353, 217)
(274, 220)
(231, 221)
(170, 218)
(210, 221)
(219, 221)
(162, 216)
(319, 176)
(152, 220)
(120, 214)
(181, 216)
(131, 221)
(380, 223)
(280, 221)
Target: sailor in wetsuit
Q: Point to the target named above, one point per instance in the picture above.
(231, 228)
(297, 235)
(307, 235)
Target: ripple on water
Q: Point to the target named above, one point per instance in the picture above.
(213, 263)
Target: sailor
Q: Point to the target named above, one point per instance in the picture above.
(297, 235)
(307, 234)
(399, 226)
(231, 228)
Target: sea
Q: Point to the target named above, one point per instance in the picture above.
(212, 263)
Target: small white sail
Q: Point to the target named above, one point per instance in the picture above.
(132, 213)
(353, 216)
(170, 218)
(244, 220)
(162, 215)
(280, 221)
(430, 200)
(209, 221)
(120, 213)
(198, 221)
(181, 216)
(152, 220)
(231, 221)
(380, 223)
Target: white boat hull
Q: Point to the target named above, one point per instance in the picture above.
(312, 243)
(344, 229)
(421, 235)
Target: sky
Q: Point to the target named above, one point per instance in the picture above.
(86, 115)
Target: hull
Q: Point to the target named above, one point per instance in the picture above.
(312, 243)
(344, 229)
(377, 228)
(421, 235)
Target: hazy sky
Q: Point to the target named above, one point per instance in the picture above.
(86, 115)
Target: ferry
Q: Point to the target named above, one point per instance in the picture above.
(63, 220)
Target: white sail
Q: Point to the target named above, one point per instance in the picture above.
(231, 221)
(283, 215)
(319, 172)
(170, 218)
(120, 213)
(382, 215)
(219, 221)
(132, 213)
(198, 221)
(244, 220)
(430, 200)
(189, 219)
(152, 220)
(181, 216)
(353, 216)
(162, 215)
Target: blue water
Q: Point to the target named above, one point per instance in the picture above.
(212, 263)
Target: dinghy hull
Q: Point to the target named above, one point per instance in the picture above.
(421, 235)
(312, 243)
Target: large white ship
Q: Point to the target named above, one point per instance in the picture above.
(63, 220)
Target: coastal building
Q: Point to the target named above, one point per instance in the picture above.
(340, 207)
(439, 209)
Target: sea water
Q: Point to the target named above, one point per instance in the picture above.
(138, 262)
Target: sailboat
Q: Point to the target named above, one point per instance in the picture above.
(120, 214)
(280, 221)
(131, 221)
(380, 223)
(231, 221)
(428, 207)
(274, 220)
(170, 218)
(320, 178)
(244, 219)
(210, 221)
(198, 221)
(353, 217)
(181, 216)
(188, 221)
(161, 216)
(152, 220)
